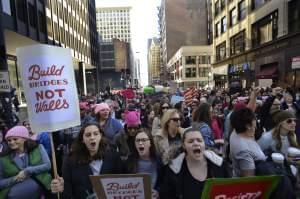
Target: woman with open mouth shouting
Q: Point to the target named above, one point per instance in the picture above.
(144, 159)
(168, 139)
(90, 155)
(186, 175)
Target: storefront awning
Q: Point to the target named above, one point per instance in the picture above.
(220, 70)
(267, 73)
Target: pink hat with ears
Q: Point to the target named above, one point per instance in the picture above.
(100, 107)
(132, 118)
(17, 131)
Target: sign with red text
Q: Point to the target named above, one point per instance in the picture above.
(49, 85)
(123, 186)
(257, 187)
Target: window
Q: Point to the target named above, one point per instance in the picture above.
(223, 24)
(6, 7)
(218, 29)
(242, 9)
(203, 72)
(49, 27)
(265, 30)
(221, 51)
(204, 59)
(21, 10)
(237, 43)
(190, 72)
(294, 16)
(223, 3)
(257, 3)
(217, 7)
(42, 25)
(32, 15)
(190, 60)
(233, 16)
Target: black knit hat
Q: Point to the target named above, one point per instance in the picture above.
(281, 116)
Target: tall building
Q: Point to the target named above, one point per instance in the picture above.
(114, 23)
(113, 26)
(255, 41)
(65, 23)
(182, 23)
(154, 61)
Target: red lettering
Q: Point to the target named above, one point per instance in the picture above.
(52, 105)
(36, 72)
(48, 94)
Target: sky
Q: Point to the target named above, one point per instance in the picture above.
(144, 25)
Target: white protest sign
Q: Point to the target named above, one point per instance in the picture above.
(49, 85)
(296, 62)
(123, 186)
(4, 81)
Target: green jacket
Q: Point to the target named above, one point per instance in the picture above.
(10, 169)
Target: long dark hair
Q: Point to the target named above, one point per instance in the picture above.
(29, 145)
(133, 159)
(202, 114)
(79, 152)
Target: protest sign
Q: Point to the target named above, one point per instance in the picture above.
(4, 82)
(257, 187)
(123, 186)
(49, 85)
(175, 99)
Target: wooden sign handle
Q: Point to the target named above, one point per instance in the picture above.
(54, 165)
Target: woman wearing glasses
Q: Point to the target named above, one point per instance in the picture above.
(168, 139)
(144, 159)
(125, 139)
(156, 125)
(282, 136)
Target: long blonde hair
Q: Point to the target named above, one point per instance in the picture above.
(291, 137)
(165, 120)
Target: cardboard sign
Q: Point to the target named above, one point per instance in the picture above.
(123, 186)
(257, 187)
(4, 82)
(49, 85)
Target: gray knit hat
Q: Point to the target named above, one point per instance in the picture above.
(281, 116)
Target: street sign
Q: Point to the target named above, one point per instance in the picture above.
(296, 62)
(4, 82)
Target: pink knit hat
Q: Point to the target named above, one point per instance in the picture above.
(17, 131)
(83, 106)
(100, 107)
(132, 118)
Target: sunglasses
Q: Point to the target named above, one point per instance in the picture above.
(288, 121)
(132, 128)
(175, 119)
(143, 140)
(165, 107)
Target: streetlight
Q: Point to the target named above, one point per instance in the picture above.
(209, 75)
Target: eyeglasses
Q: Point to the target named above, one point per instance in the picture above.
(175, 119)
(132, 128)
(143, 140)
(288, 121)
(165, 107)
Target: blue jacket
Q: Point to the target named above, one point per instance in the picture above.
(111, 128)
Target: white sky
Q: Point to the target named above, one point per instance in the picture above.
(144, 25)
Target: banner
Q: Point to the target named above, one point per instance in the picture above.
(257, 187)
(123, 186)
(49, 85)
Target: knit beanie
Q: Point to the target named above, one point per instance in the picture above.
(83, 106)
(132, 118)
(281, 116)
(17, 131)
(100, 107)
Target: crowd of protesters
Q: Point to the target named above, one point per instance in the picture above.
(217, 134)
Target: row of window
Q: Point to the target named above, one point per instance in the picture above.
(192, 72)
(263, 31)
(220, 5)
(235, 15)
(205, 59)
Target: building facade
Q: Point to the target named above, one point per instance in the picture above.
(154, 61)
(191, 67)
(180, 26)
(62, 23)
(255, 41)
(114, 23)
